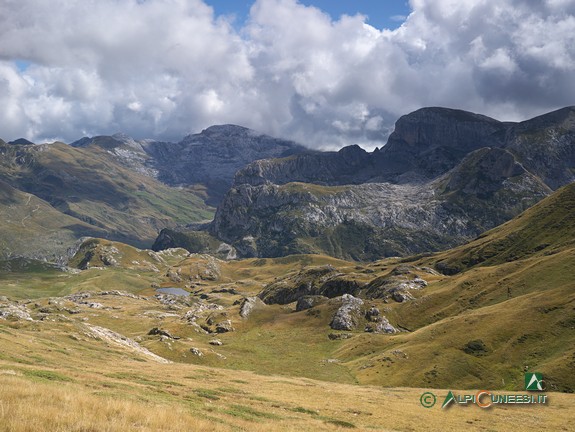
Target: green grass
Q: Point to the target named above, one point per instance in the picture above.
(91, 194)
(208, 394)
(340, 423)
(248, 413)
(46, 375)
(304, 411)
(314, 189)
(544, 229)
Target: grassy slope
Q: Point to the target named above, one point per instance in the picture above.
(30, 226)
(519, 302)
(90, 185)
(513, 290)
(544, 229)
(55, 376)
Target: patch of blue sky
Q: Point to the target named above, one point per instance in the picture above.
(22, 65)
(389, 14)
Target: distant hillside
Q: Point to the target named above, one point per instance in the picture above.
(31, 227)
(126, 189)
(545, 229)
(208, 159)
(86, 188)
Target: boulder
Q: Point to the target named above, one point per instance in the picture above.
(339, 336)
(347, 316)
(401, 296)
(373, 314)
(158, 331)
(307, 302)
(196, 352)
(248, 304)
(224, 327)
(382, 326)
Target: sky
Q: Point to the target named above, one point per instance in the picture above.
(323, 73)
(381, 14)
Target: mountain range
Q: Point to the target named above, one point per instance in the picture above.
(118, 188)
(443, 178)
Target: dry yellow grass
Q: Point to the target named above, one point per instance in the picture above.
(53, 379)
(216, 400)
(28, 406)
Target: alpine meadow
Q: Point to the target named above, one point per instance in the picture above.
(315, 216)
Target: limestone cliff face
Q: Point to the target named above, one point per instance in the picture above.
(431, 141)
(212, 157)
(350, 165)
(545, 145)
(425, 144)
(209, 158)
(369, 221)
(445, 176)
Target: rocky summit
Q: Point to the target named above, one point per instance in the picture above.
(443, 177)
(208, 159)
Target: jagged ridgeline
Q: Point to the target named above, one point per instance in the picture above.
(115, 187)
(444, 177)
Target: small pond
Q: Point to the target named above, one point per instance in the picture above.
(173, 291)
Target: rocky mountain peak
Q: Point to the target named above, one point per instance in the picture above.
(107, 142)
(431, 141)
(213, 156)
(429, 128)
(354, 154)
(21, 141)
(218, 134)
(563, 119)
(227, 130)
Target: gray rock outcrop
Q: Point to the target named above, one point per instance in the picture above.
(248, 304)
(348, 315)
(224, 327)
(197, 352)
(382, 326)
(160, 332)
(308, 302)
(14, 312)
(312, 281)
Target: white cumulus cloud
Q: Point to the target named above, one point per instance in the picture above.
(164, 68)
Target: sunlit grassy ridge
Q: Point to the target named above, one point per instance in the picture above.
(30, 226)
(98, 196)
